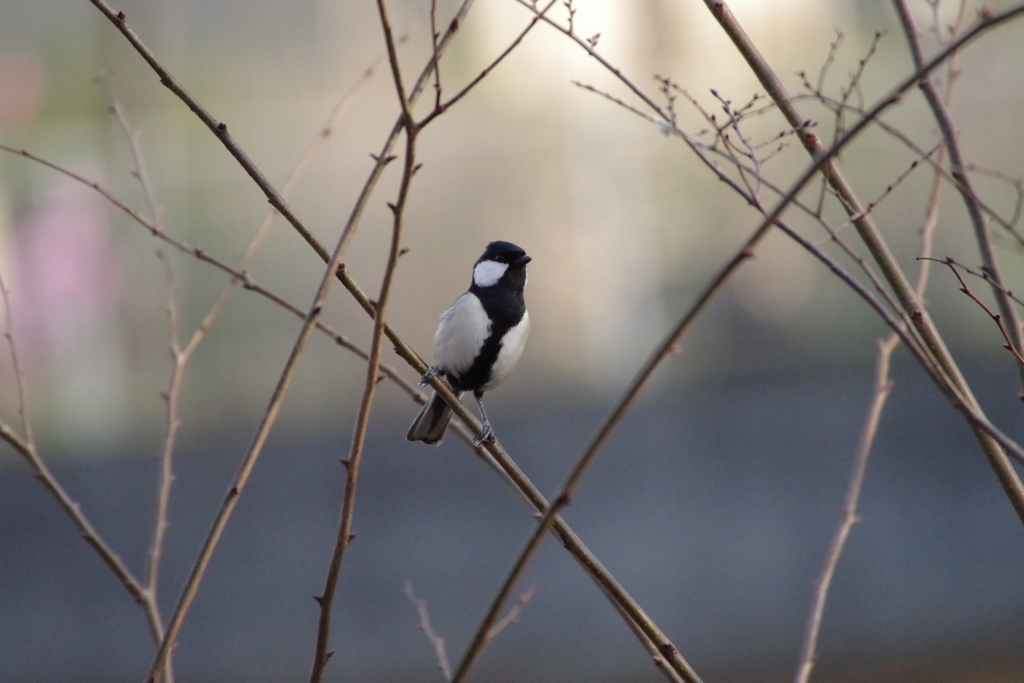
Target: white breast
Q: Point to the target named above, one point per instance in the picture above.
(511, 349)
(464, 328)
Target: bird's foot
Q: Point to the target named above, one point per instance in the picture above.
(486, 436)
(431, 372)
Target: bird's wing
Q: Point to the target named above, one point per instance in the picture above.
(464, 328)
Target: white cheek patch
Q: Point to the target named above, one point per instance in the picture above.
(488, 273)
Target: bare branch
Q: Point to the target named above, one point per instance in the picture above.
(963, 183)
(513, 614)
(991, 446)
(883, 386)
(624, 602)
(435, 640)
(441, 108)
(326, 599)
(26, 447)
(1009, 345)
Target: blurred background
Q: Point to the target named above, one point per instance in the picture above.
(715, 502)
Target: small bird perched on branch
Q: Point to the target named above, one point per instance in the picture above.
(479, 340)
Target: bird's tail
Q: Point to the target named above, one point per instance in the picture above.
(430, 425)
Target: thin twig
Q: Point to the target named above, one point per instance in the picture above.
(437, 60)
(981, 276)
(963, 183)
(883, 386)
(171, 397)
(995, 316)
(1006, 223)
(513, 614)
(435, 640)
(26, 447)
(220, 129)
(991, 446)
(441, 108)
(623, 601)
(19, 374)
(344, 537)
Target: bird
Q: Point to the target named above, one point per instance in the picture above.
(479, 339)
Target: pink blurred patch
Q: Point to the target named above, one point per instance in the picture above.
(23, 84)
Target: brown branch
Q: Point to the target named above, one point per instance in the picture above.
(435, 640)
(437, 62)
(236, 275)
(220, 130)
(442, 108)
(344, 537)
(19, 375)
(623, 601)
(963, 184)
(171, 398)
(179, 362)
(1009, 345)
(1006, 224)
(991, 446)
(883, 386)
(513, 614)
(26, 447)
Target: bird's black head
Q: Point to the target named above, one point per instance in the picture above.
(505, 252)
(502, 263)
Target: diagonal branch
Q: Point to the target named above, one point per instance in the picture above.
(645, 627)
(1009, 346)
(963, 184)
(883, 386)
(864, 223)
(326, 599)
(26, 447)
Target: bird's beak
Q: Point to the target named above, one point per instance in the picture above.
(522, 261)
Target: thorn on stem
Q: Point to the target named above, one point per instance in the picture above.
(319, 600)
(222, 127)
(352, 537)
(394, 209)
(120, 17)
(346, 462)
(403, 251)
